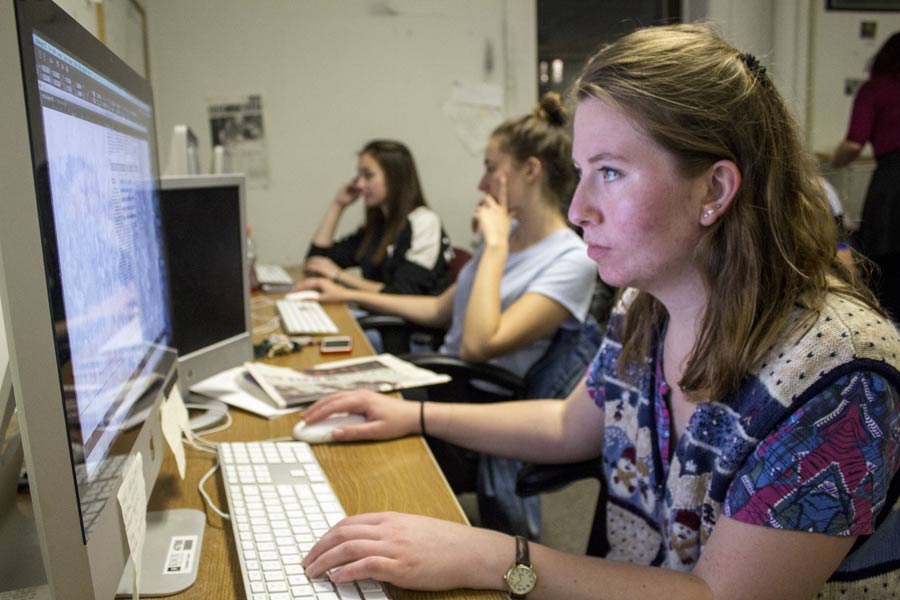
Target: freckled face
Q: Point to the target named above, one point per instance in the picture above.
(371, 181)
(639, 214)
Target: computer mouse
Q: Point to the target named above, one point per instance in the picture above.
(302, 295)
(320, 433)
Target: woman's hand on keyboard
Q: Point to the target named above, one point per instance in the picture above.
(321, 266)
(386, 417)
(411, 552)
(328, 290)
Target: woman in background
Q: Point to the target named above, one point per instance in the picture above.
(401, 248)
(876, 119)
(745, 400)
(530, 278)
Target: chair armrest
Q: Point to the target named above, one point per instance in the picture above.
(397, 332)
(381, 321)
(463, 373)
(536, 479)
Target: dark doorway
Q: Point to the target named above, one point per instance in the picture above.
(570, 31)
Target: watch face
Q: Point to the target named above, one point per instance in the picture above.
(520, 579)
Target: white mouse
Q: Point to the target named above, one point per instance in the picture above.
(302, 295)
(319, 433)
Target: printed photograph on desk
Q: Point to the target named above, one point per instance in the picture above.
(383, 373)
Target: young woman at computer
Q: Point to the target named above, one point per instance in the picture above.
(401, 248)
(745, 402)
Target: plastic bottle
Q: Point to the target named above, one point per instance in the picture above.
(251, 259)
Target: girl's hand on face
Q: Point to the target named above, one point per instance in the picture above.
(409, 551)
(347, 194)
(321, 265)
(492, 216)
(328, 290)
(386, 417)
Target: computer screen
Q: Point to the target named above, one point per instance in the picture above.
(205, 232)
(83, 284)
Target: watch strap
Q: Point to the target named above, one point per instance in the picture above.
(522, 557)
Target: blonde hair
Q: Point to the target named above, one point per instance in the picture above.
(774, 249)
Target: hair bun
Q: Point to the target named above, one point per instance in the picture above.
(550, 108)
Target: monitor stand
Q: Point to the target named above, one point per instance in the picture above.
(24, 568)
(171, 555)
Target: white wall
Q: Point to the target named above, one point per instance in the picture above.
(83, 11)
(333, 75)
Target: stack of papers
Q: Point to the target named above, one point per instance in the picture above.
(271, 391)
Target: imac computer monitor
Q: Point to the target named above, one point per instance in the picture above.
(205, 238)
(83, 284)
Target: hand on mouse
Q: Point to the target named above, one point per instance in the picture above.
(386, 417)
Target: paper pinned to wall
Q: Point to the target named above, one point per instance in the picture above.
(236, 124)
(474, 109)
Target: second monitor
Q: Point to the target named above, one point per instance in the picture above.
(204, 225)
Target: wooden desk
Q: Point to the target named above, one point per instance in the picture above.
(397, 475)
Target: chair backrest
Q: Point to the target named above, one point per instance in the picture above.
(460, 257)
(564, 363)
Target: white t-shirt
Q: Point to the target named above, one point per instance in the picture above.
(557, 267)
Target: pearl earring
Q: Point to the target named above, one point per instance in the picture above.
(708, 213)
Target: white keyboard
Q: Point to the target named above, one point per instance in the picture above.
(272, 274)
(280, 504)
(304, 316)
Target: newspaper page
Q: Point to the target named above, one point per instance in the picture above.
(382, 373)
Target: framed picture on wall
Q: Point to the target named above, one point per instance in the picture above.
(863, 5)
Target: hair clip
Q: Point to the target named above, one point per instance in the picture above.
(753, 64)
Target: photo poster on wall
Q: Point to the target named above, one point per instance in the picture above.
(236, 125)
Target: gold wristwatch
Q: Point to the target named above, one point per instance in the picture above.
(520, 578)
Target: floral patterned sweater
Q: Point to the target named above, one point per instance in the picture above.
(810, 442)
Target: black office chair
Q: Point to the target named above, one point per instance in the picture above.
(536, 479)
